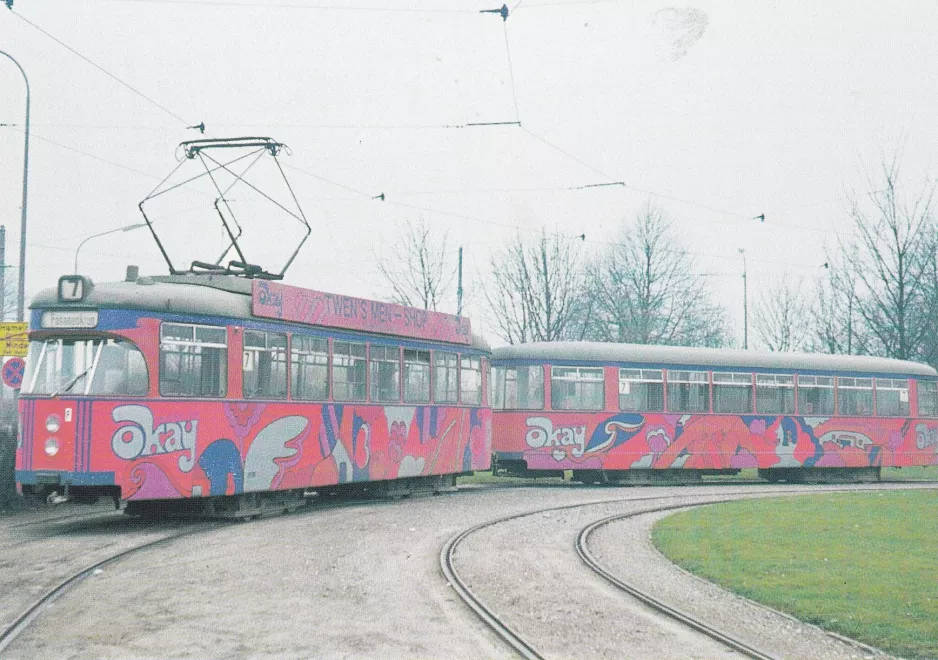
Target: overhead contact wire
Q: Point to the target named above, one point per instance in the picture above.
(511, 73)
(293, 5)
(102, 69)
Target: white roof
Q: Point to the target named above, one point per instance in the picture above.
(585, 351)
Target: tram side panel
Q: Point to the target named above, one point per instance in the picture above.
(170, 449)
(547, 440)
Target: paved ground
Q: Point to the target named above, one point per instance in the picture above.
(360, 581)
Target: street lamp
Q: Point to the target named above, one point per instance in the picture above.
(21, 292)
(742, 251)
(105, 233)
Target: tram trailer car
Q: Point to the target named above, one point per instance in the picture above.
(643, 414)
(233, 395)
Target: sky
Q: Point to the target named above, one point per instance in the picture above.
(716, 112)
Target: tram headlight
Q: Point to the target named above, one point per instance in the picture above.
(53, 423)
(52, 447)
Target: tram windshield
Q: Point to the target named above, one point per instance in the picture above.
(85, 367)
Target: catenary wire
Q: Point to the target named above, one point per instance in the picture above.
(102, 69)
(297, 5)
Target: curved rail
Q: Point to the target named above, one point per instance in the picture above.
(9, 634)
(12, 631)
(490, 618)
(582, 548)
(501, 629)
(524, 648)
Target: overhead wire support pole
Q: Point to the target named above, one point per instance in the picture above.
(459, 287)
(742, 251)
(21, 287)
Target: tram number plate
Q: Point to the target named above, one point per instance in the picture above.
(72, 288)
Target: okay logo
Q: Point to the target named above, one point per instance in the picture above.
(137, 436)
(564, 440)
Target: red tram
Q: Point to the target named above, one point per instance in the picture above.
(619, 412)
(226, 389)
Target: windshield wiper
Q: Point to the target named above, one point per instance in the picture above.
(70, 384)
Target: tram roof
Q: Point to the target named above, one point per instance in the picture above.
(196, 294)
(578, 351)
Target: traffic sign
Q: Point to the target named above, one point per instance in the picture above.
(13, 339)
(12, 372)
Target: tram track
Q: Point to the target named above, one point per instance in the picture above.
(582, 548)
(35, 609)
(75, 577)
(506, 633)
(527, 648)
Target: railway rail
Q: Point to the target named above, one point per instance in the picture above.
(74, 578)
(523, 647)
(29, 614)
(527, 648)
(582, 549)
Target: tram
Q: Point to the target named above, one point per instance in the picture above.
(223, 388)
(219, 387)
(640, 414)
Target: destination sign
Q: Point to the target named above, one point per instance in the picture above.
(289, 303)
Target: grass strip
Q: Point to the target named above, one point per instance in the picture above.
(864, 565)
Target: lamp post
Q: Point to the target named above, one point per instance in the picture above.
(21, 291)
(105, 233)
(742, 251)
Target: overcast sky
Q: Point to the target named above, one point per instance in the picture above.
(718, 112)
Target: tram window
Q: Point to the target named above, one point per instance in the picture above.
(385, 373)
(927, 398)
(775, 394)
(641, 389)
(121, 369)
(577, 388)
(264, 365)
(309, 357)
(688, 391)
(732, 392)
(445, 377)
(815, 395)
(416, 376)
(348, 371)
(193, 360)
(518, 388)
(112, 367)
(892, 397)
(470, 380)
(854, 396)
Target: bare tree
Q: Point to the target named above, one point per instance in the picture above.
(535, 290)
(887, 265)
(782, 317)
(643, 290)
(837, 326)
(420, 268)
(928, 347)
